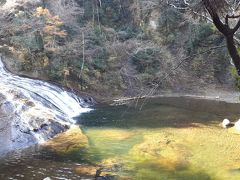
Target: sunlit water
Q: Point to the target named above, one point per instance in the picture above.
(158, 142)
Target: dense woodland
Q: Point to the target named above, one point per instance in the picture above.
(116, 48)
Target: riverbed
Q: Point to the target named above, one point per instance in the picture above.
(163, 140)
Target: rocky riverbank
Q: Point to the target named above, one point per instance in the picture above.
(33, 111)
(23, 124)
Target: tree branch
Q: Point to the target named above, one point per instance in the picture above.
(176, 7)
(237, 7)
(233, 16)
(236, 27)
(153, 90)
(208, 18)
(226, 19)
(216, 19)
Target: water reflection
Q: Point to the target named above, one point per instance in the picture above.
(36, 163)
(158, 142)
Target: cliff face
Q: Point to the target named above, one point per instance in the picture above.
(114, 48)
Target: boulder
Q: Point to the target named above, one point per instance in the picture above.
(237, 125)
(67, 142)
(225, 123)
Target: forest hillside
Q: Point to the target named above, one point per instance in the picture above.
(114, 48)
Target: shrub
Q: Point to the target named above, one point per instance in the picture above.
(170, 20)
(236, 77)
(99, 60)
(147, 60)
(199, 33)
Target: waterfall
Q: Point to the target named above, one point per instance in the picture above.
(32, 111)
(48, 94)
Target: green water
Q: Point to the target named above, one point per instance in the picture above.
(158, 142)
(163, 142)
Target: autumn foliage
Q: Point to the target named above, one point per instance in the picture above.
(51, 27)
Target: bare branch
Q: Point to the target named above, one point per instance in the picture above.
(153, 90)
(236, 27)
(177, 7)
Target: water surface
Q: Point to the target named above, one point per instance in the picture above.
(157, 142)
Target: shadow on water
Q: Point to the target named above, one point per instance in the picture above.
(167, 139)
(185, 173)
(175, 112)
(149, 117)
(38, 163)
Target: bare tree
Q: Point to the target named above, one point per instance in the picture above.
(67, 10)
(225, 15)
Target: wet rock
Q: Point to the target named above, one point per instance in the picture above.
(160, 151)
(55, 127)
(111, 165)
(2, 98)
(23, 124)
(67, 142)
(6, 118)
(33, 111)
(43, 125)
(6, 108)
(226, 123)
(86, 170)
(25, 130)
(17, 94)
(108, 177)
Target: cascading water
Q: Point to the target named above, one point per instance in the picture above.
(32, 111)
(66, 102)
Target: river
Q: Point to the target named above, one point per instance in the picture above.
(160, 141)
(167, 138)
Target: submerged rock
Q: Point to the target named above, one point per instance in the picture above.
(117, 134)
(86, 170)
(67, 142)
(160, 151)
(24, 123)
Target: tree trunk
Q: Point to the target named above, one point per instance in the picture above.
(226, 31)
(233, 52)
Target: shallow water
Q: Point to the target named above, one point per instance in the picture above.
(158, 142)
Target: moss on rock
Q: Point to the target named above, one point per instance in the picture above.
(67, 142)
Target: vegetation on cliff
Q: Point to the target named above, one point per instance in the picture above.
(115, 48)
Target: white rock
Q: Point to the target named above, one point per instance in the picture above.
(237, 125)
(225, 123)
(47, 178)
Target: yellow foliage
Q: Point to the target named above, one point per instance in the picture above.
(57, 21)
(51, 27)
(45, 61)
(48, 28)
(40, 11)
(61, 33)
(66, 72)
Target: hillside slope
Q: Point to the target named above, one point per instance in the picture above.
(114, 48)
